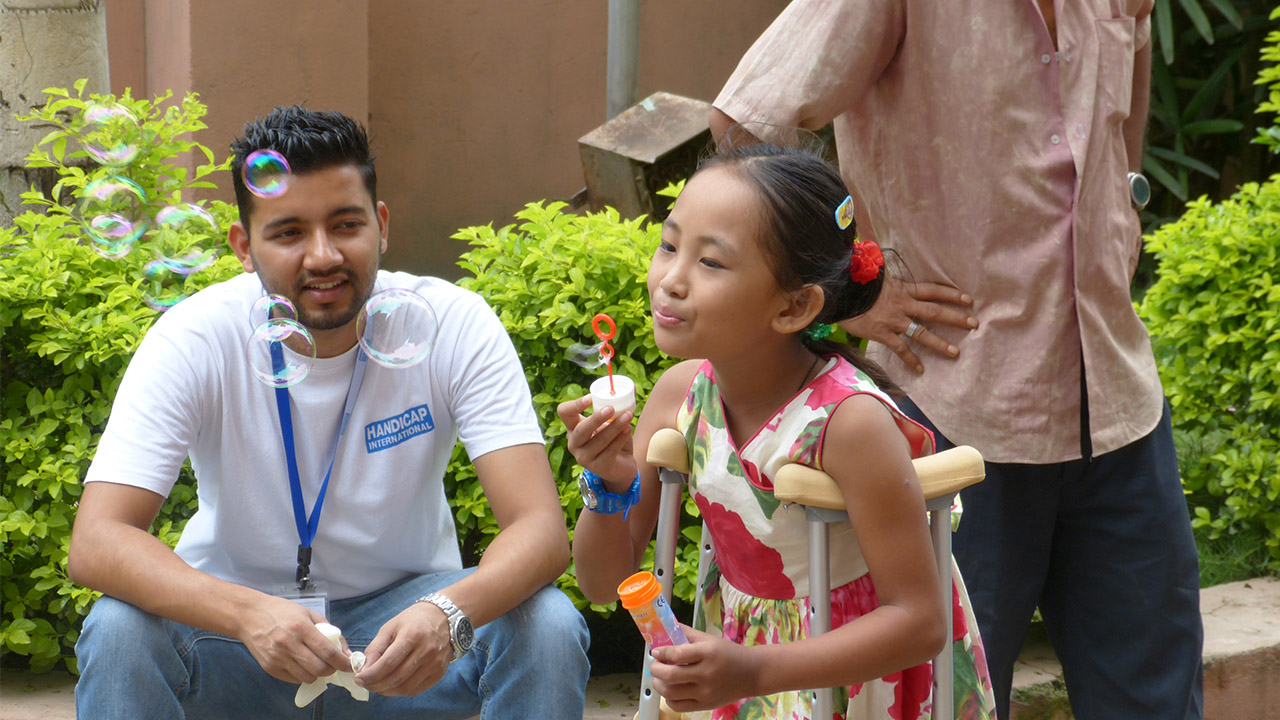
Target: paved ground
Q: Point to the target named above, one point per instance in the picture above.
(1241, 620)
(51, 696)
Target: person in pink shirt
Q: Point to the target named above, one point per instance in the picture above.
(994, 147)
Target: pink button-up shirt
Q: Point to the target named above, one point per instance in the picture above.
(994, 163)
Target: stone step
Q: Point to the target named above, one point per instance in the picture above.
(1241, 655)
(1241, 659)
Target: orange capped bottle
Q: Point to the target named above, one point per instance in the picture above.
(641, 595)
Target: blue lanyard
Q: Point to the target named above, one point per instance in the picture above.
(307, 525)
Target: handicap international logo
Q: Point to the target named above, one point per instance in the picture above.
(394, 430)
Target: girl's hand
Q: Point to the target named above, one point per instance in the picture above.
(603, 447)
(707, 673)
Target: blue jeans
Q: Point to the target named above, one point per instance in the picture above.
(531, 662)
(1103, 546)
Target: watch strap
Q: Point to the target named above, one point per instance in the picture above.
(452, 614)
(608, 503)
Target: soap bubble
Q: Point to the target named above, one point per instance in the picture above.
(112, 211)
(179, 232)
(107, 130)
(294, 347)
(266, 173)
(163, 286)
(166, 278)
(112, 235)
(586, 356)
(270, 307)
(190, 262)
(397, 328)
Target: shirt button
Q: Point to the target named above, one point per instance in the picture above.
(1045, 58)
(1055, 139)
(1080, 129)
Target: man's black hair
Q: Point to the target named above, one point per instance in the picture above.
(309, 141)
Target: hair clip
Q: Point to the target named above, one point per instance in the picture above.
(844, 213)
(817, 331)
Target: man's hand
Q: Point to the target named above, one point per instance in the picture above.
(282, 636)
(410, 653)
(901, 304)
(708, 672)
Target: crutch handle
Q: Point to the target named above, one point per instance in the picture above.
(949, 471)
(940, 474)
(667, 449)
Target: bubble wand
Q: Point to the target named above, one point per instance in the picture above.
(616, 391)
(606, 350)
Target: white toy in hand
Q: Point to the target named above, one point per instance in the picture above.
(312, 690)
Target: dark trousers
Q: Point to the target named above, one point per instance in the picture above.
(1103, 547)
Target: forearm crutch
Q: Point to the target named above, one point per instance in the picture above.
(668, 453)
(941, 476)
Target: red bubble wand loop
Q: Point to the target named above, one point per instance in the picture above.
(606, 350)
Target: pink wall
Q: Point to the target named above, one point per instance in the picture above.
(474, 108)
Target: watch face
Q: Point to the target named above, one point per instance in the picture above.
(463, 635)
(588, 497)
(1139, 190)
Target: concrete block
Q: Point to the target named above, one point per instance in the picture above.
(1241, 659)
(641, 150)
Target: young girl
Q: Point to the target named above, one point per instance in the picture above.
(757, 257)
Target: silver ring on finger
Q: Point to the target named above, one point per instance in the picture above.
(912, 329)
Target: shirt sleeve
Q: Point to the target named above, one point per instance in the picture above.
(489, 395)
(816, 60)
(155, 416)
(1142, 26)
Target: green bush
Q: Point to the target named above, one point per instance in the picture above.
(1214, 315)
(70, 320)
(1269, 78)
(1202, 101)
(546, 277)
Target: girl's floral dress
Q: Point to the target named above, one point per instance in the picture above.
(757, 591)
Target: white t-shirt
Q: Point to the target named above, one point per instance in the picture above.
(189, 391)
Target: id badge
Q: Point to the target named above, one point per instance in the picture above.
(313, 595)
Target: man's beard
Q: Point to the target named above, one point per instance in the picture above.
(330, 318)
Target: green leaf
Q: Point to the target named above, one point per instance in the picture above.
(1212, 85)
(1184, 160)
(1198, 19)
(1162, 15)
(1229, 12)
(1164, 177)
(1210, 127)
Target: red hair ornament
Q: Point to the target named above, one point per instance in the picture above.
(865, 262)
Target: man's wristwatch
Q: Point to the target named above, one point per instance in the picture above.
(1139, 190)
(596, 499)
(461, 633)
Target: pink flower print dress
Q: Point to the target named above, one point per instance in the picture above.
(757, 591)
